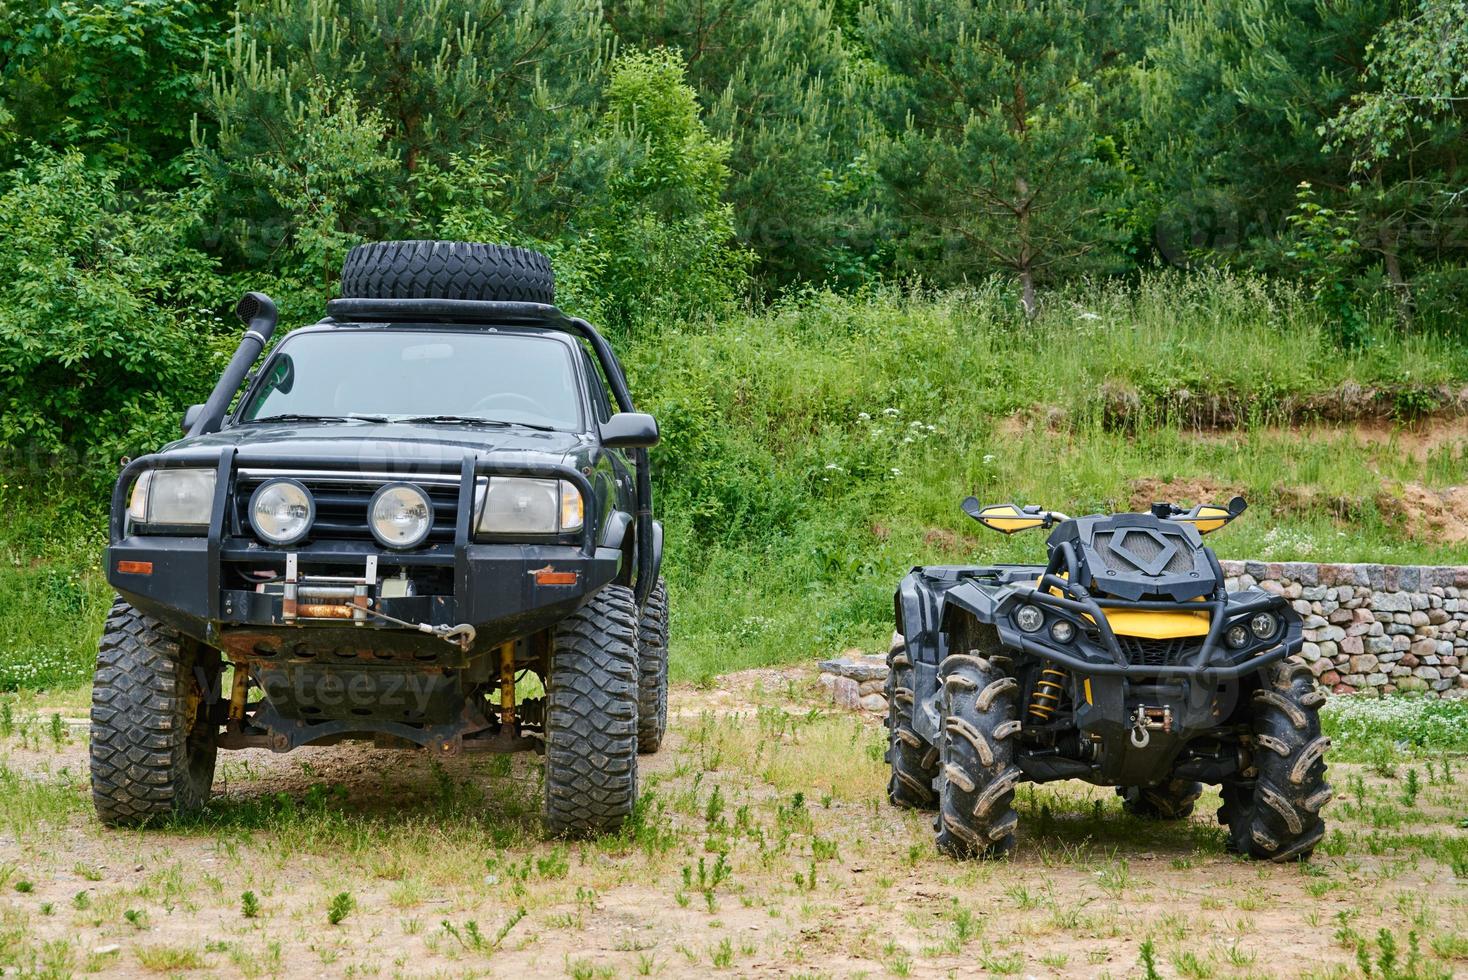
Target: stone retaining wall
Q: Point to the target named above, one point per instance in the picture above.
(1374, 628)
(1368, 629)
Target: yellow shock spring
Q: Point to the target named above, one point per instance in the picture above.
(1047, 694)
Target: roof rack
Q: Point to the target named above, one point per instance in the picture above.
(447, 310)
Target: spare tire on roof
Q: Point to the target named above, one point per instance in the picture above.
(447, 270)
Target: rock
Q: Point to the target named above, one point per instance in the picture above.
(107, 950)
(1328, 649)
(846, 693)
(1377, 644)
(1375, 680)
(1330, 678)
(1391, 602)
(871, 687)
(1319, 667)
(1363, 664)
(858, 666)
(1409, 661)
(875, 703)
(828, 681)
(1418, 618)
(1353, 644)
(1427, 673)
(1424, 647)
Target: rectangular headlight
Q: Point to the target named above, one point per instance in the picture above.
(173, 498)
(519, 505)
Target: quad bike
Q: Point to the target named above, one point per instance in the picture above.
(1122, 661)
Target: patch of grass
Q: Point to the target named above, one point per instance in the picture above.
(170, 959)
(341, 905)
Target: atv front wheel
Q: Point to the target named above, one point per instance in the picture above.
(914, 761)
(652, 670)
(1172, 800)
(591, 717)
(152, 748)
(977, 775)
(1277, 815)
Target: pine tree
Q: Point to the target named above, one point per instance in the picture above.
(997, 151)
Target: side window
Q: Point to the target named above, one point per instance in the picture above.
(599, 402)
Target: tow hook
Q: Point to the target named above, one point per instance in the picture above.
(1146, 720)
(461, 635)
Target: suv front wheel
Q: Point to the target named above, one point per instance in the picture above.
(591, 717)
(152, 746)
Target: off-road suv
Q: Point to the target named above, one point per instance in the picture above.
(426, 521)
(1122, 661)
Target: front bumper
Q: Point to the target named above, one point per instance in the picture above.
(191, 582)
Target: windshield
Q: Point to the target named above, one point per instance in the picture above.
(394, 375)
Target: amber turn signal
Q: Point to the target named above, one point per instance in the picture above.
(135, 567)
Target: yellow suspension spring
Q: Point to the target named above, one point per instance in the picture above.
(1047, 694)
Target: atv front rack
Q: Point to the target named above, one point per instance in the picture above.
(1067, 594)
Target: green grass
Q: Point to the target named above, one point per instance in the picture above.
(814, 452)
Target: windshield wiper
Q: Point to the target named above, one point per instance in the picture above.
(294, 417)
(470, 420)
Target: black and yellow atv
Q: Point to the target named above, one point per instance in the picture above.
(1123, 661)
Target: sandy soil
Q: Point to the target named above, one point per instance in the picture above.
(832, 883)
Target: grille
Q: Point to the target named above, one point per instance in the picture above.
(1115, 546)
(1142, 652)
(342, 502)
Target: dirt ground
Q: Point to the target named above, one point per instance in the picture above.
(765, 848)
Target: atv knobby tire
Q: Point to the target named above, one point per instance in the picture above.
(1277, 815)
(914, 761)
(652, 670)
(1172, 800)
(977, 775)
(447, 270)
(152, 749)
(591, 717)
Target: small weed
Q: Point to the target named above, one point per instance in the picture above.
(170, 959)
(341, 905)
(1410, 789)
(723, 954)
(24, 887)
(137, 918)
(249, 905)
(58, 730)
(1149, 960)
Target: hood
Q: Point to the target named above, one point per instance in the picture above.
(395, 442)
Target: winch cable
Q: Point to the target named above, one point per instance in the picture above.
(462, 634)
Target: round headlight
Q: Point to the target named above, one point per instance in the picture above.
(401, 516)
(1263, 624)
(1029, 618)
(281, 511)
(1061, 631)
(1237, 637)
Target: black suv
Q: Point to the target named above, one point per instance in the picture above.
(427, 521)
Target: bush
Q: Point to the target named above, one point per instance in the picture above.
(103, 333)
(1420, 722)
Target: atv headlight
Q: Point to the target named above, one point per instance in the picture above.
(401, 515)
(519, 505)
(281, 511)
(168, 498)
(1263, 625)
(1237, 637)
(1061, 631)
(1029, 618)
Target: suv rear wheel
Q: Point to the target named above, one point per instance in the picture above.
(652, 670)
(591, 717)
(152, 747)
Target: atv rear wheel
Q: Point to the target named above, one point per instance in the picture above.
(152, 749)
(591, 717)
(977, 775)
(914, 761)
(447, 270)
(1172, 800)
(652, 670)
(1277, 815)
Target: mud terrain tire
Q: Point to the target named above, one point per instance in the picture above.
(652, 670)
(591, 717)
(914, 761)
(152, 752)
(1277, 816)
(977, 774)
(447, 270)
(1172, 800)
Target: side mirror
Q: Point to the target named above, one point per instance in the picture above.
(191, 415)
(630, 430)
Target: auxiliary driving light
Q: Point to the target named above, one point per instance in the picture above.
(1237, 637)
(1061, 631)
(1029, 618)
(282, 511)
(401, 516)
